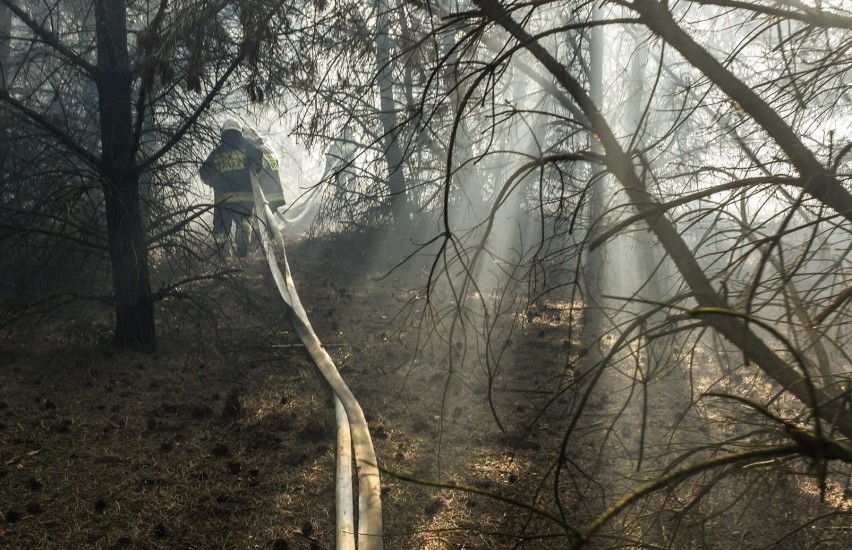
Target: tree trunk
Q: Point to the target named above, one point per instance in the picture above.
(594, 265)
(387, 115)
(5, 71)
(651, 263)
(128, 251)
(5, 35)
(468, 207)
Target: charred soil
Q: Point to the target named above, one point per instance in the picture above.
(225, 437)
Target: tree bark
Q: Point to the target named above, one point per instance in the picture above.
(388, 116)
(594, 264)
(469, 208)
(5, 45)
(128, 251)
(5, 71)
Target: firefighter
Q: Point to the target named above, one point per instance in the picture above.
(268, 176)
(228, 171)
(338, 161)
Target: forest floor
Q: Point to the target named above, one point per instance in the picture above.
(225, 437)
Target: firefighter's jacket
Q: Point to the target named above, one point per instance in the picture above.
(228, 169)
(338, 156)
(270, 179)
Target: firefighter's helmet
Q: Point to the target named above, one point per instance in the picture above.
(231, 124)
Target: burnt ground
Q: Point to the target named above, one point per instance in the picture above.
(225, 437)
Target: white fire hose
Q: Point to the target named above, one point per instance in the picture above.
(308, 205)
(352, 431)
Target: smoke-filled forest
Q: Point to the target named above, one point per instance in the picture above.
(306, 274)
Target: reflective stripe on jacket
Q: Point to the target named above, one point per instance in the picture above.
(229, 166)
(269, 178)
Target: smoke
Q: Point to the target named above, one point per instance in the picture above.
(300, 168)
